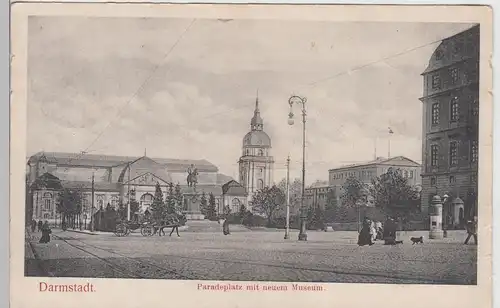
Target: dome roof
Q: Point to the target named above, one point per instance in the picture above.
(257, 138)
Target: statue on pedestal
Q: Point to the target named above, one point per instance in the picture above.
(192, 178)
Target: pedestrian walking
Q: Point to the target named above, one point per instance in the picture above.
(225, 226)
(365, 235)
(373, 231)
(40, 225)
(175, 223)
(33, 225)
(45, 233)
(471, 230)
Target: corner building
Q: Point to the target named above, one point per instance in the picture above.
(450, 122)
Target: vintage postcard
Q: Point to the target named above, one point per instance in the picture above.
(250, 155)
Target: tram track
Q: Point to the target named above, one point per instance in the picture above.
(143, 269)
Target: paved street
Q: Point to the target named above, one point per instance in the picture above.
(325, 257)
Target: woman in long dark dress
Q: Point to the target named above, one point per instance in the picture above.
(225, 226)
(45, 233)
(365, 235)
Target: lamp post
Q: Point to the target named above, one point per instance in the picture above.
(287, 227)
(303, 213)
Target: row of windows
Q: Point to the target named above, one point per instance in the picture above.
(370, 174)
(359, 174)
(452, 180)
(454, 76)
(453, 153)
(454, 110)
(260, 152)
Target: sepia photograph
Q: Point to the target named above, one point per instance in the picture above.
(233, 149)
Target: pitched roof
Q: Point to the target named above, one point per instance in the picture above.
(393, 161)
(233, 188)
(106, 161)
(47, 180)
(144, 165)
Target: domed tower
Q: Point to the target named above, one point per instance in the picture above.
(256, 164)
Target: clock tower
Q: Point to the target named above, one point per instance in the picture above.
(256, 165)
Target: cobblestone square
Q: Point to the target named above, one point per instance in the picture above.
(253, 256)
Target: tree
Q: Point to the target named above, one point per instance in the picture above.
(295, 187)
(203, 204)
(242, 213)
(179, 198)
(158, 207)
(69, 205)
(316, 218)
(354, 195)
(391, 190)
(170, 200)
(331, 205)
(267, 201)
(211, 210)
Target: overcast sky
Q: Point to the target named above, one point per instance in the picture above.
(116, 85)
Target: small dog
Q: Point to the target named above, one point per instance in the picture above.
(417, 240)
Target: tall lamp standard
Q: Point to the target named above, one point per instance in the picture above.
(303, 212)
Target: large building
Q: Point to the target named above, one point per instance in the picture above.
(316, 195)
(119, 179)
(450, 121)
(256, 164)
(367, 171)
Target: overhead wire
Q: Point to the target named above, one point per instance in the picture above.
(230, 109)
(143, 84)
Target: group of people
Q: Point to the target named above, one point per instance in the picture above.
(372, 231)
(42, 227)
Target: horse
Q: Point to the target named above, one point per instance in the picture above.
(192, 178)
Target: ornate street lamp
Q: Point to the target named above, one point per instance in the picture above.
(303, 212)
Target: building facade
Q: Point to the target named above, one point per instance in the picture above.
(116, 180)
(366, 172)
(316, 195)
(450, 122)
(256, 164)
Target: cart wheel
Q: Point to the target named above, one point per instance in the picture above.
(147, 230)
(121, 230)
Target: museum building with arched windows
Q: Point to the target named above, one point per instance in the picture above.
(119, 179)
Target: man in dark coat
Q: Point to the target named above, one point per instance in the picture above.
(471, 230)
(40, 225)
(45, 233)
(33, 225)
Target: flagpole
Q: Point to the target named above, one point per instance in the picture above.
(389, 143)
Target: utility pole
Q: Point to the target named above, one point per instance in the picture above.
(287, 227)
(389, 143)
(92, 208)
(128, 203)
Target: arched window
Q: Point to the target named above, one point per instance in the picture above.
(260, 184)
(236, 204)
(47, 201)
(114, 201)
(46, 216)
(261, 152)
(146, 200)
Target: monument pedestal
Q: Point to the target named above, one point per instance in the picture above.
(192, 208)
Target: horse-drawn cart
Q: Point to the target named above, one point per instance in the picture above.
(147, 228)
(126, 227)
